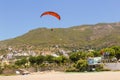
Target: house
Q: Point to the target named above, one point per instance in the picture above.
(93, 63)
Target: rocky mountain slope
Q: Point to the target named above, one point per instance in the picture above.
(90, 36)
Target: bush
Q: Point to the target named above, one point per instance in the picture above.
(1, 70)
(71, 69)
(99, 68)
(81, 65)
(106, 69)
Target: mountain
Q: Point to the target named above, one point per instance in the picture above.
(87, 36)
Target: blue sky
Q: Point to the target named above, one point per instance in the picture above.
(17, 17)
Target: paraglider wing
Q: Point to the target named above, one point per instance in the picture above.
(52, 14)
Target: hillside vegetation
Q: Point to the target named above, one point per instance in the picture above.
(90, 36)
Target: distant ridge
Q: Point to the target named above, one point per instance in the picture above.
(94, 36)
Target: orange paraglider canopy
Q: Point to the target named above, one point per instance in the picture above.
(52, 14)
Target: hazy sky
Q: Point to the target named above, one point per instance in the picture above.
(17, 17)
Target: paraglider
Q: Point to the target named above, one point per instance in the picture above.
(52, 14)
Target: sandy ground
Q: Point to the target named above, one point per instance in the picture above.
(65, 76)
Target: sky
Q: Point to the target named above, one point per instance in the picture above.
(18, 17)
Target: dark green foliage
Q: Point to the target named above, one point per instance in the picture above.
(75, 56)
(64, 59)
(81, 65)
(61, 59)
(21, 62)
(58, 60)
(99, 67)
(110, 51)
(117, 51)
(49, 58)
(90, 54)
(40, 59)
(71, 69)
(1, 70)
(96, 53)
(32, 60)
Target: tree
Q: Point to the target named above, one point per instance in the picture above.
(37, 61)
(81, 65)
(32, 60)
(61, 59)
(21, 62)
(40, 59)
(1, 69)
(110, 52)
(64, 59)
(77, 56)
(96, 53)
(49, 58)
(58, 60)
(90, 54)
(117, 51)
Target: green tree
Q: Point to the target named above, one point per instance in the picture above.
(117, 51)
(61, 59)
(77, 56)
(96, 53)
(1, 69)
(49, 58)
(21, 62)
(110, 51)
(40, 59)
(81, 65)
(64, 59)
(58, 60)
(90, 54)
(32, 60)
